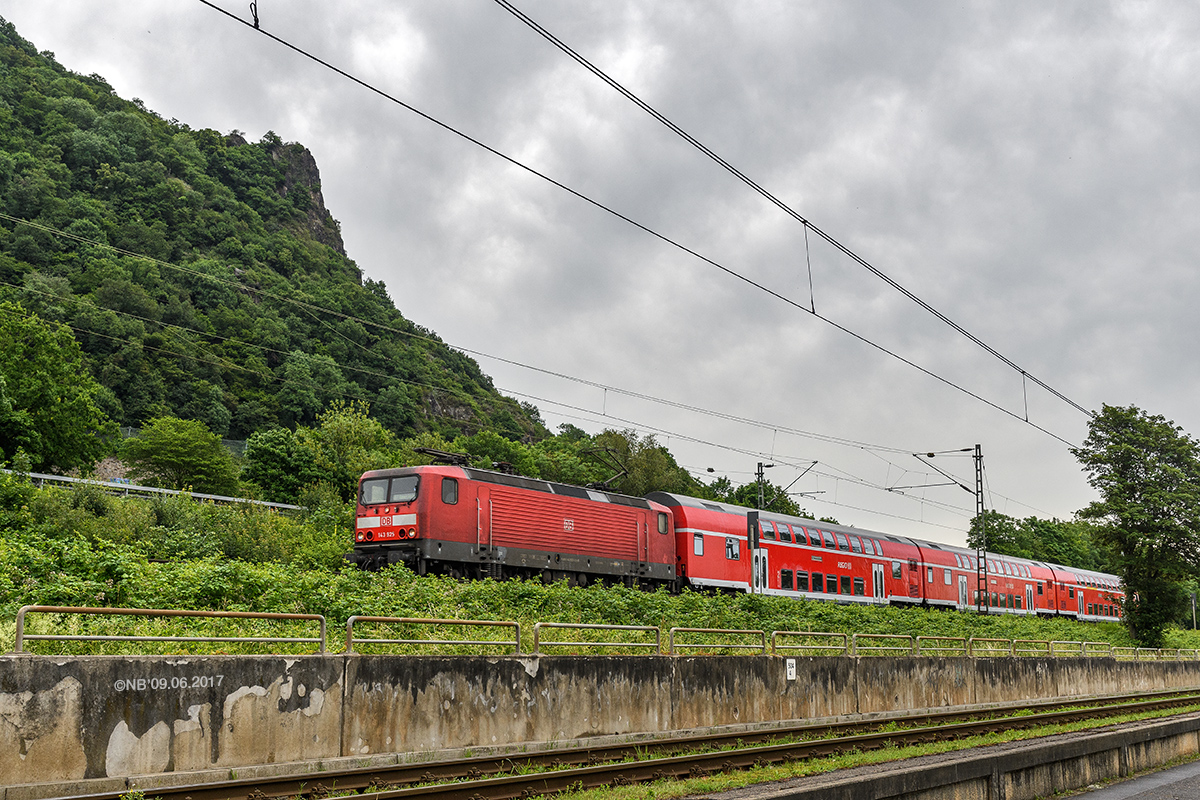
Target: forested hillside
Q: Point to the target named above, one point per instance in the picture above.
(202, 275)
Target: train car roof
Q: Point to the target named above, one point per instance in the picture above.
(672, 500)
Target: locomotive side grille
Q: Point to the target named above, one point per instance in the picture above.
(519, 521)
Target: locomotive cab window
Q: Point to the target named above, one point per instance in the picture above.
(374, 491)
(449, 491)
(662, 522)
(404, 489)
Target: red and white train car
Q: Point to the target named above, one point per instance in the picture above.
(469, 522)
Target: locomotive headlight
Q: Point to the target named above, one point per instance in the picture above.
(412, 533)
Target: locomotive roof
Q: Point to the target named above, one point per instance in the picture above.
(520, 482)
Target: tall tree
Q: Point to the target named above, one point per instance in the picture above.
(181, 453)
(1147, 471)
(50, 406)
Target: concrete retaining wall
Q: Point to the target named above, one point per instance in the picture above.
(68, 719)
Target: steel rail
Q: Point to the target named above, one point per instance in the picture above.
(584, 764)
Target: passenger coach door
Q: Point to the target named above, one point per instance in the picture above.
(962, 592)
(758, 570)
(1029, 599)
(877, 587)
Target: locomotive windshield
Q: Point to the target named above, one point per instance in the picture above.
(403, 489)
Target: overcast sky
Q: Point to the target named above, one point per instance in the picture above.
(1029, 169)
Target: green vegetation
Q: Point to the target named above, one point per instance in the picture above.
(50, 408)
(83, 547)
(1074, 543)
(201, 274)
(180, 453)
(1147, 471)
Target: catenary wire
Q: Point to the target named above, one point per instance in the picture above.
(310, 307)
(774, 200)
(644, 228)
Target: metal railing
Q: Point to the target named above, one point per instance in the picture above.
(514, 643)
(1066, 649)
(761, 646)
(810, 649)
(941, 645)
(23, 637)
(133, 489)
(782, 642)
(1031, 647)
(540, 626)
(881, 649)
(977, 645)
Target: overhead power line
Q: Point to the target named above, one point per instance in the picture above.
(808, 225)
(640, 226)
(311, 308)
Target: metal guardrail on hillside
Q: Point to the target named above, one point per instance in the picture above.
(806, 644)
(135, 490)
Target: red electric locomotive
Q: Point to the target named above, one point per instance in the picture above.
(468, 522)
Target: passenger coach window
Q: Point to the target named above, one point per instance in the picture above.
(831, 584)
(733, 550)
(698, 544)
(818, 582)
(449, 491)
(802, 581)
(785, 533)
(785, 579)
(829, 542)
(842, 543)
(845, 584)
(404, 489)
(946, 576)
(896, 570)
(768, 529)
(374, 491)
(855, 545)
(860, 587)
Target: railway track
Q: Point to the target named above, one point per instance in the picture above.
(548, 772)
